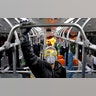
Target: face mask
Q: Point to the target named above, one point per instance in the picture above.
(51, 59)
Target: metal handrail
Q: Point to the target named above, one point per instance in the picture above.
(85, 42)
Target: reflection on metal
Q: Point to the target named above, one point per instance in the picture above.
(59, 29)
(69, 20)
(17, 20)
(15, 33)
(72, 27)
(83, 26)
(49, 20)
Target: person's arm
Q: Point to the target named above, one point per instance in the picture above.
(35, 64)
(29, 56)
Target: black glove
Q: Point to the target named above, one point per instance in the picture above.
(25, 30)
(24, 38)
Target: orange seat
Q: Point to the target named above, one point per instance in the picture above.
(60, 57)
(75, 62)
(61, 61)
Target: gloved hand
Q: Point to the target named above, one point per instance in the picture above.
(24, 38)
(25, 30)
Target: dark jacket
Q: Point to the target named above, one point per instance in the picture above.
(36, 49)
(40, 69)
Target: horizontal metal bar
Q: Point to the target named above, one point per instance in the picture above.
(92, 46)
(45, 25)
(79, 71)
(50, 25)
(68, 71)
(17, 72)
(11, 45)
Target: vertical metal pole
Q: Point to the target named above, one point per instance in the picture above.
(44, 39)
(42, 54)
(14, 60)
(76, 51)
(84, 54)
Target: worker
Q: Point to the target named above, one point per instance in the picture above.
(90, 60)
(48, 68)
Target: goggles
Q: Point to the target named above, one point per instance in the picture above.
(50, 51)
